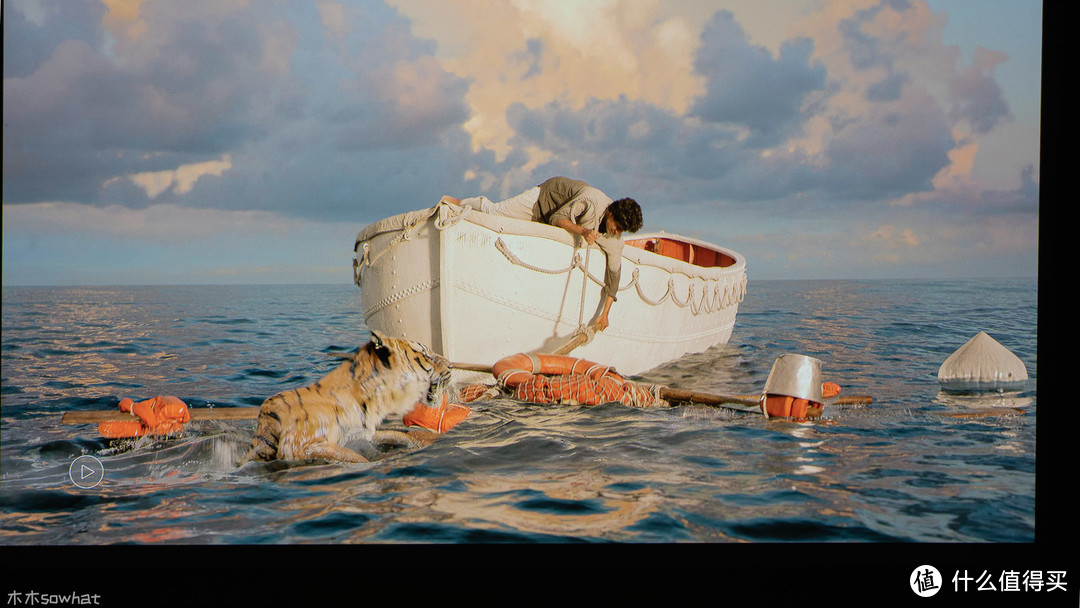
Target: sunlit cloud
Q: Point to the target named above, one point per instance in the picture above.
(180, 180)
(123, 18)
(564, 52)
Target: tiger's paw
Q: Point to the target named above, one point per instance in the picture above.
(333, 453)
(407, 439)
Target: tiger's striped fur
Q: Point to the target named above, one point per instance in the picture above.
(384, 378)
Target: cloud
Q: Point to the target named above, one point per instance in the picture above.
(748, 87)
(979, 99)
(720, 121)
(305, 104)
(764, 128)
(558, 52)
(321, 108)
(94, 110)
(33, 30)
(181, 180)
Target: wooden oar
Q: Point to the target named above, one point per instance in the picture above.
(678, 395)
(997, 411)
(851, 400)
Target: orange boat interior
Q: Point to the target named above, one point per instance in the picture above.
(680, 250)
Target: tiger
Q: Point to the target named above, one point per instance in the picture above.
(384, 378)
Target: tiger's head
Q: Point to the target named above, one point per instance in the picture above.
(399, 353)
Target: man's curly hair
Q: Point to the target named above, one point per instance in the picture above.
(627, 213)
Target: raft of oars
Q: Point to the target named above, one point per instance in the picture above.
(671, 395)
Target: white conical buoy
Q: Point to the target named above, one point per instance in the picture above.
(982, 361)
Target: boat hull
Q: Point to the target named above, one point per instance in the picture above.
(478, 287)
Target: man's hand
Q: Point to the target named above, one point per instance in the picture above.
(588, 234)
(601, 322)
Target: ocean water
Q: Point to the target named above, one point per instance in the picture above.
(919, 465)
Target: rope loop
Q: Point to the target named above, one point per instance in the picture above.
(451, 214)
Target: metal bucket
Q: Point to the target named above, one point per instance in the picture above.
(796, 376)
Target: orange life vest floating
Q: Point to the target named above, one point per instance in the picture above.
(540, 378)
(160, 415)
(439, 419)
(784, 406)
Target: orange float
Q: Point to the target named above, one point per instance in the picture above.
(541, 378)
(783, 406)
(160, 415)
(516, 369)
(439, 419)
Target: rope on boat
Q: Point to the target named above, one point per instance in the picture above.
(509, 255)
(401, 295)
(730, 294)
(584, 284)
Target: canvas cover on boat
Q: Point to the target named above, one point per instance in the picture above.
(393, 223)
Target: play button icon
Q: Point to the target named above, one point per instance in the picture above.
(86, 471)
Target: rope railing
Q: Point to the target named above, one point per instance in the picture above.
(732, 292)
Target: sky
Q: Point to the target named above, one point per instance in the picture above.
(249, 141)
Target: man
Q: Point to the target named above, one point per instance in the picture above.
(580, 209)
